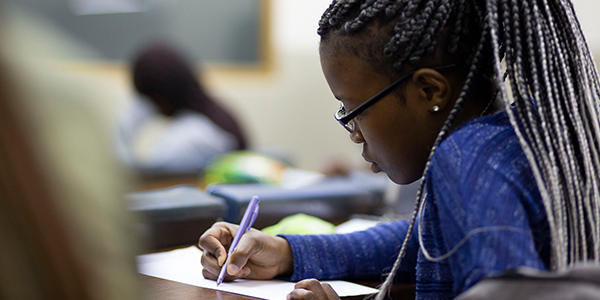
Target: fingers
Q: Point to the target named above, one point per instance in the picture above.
(215, 239)
(257, 255)
(213, 244)
(312, 285)
(312, 289)
(331, 294)
(211, 269)
(239, 257)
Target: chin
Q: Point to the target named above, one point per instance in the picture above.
(399, 179)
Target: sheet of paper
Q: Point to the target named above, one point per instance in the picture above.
(354, 225)
(183, 265)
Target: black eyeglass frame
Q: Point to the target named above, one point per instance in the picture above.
(345, 119)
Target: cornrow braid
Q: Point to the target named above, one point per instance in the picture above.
(334, 14)
(429, 41)
(552, 96)
(403, 28)
(367, 13)
(461, 10)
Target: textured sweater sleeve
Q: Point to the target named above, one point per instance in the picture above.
(366, 254)
(484, 194)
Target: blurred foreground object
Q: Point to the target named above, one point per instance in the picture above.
(64, 230)
(580, 281)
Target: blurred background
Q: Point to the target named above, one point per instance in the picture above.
(258, 57)
(67, 89)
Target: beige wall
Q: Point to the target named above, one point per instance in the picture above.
(290, 106)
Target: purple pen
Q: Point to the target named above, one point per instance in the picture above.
(245, 225)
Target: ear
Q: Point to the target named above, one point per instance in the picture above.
(433, 89)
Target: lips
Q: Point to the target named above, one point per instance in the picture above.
(374, 166)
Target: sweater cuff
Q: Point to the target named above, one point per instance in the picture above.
(299, 252)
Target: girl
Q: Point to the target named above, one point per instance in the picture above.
(418, 81)
(196, 129)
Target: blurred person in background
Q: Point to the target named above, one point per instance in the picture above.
(173, 126)
(65, 232)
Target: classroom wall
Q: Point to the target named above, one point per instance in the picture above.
(289, 107)
(286, 107)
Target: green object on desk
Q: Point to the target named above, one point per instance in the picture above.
(243, 167)
(300, 224)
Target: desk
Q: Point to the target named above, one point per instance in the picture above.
(161, 289)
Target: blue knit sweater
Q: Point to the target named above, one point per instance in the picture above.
(479, 187)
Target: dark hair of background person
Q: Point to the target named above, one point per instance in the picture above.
(32, 212)
(164, 75)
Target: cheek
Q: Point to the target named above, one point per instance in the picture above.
(394, 144)
(384, 137)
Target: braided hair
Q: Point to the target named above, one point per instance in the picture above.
(552, 96)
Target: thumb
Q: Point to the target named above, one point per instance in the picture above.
(237, 261)
(239, 257)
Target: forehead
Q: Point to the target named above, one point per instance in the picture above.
(349, 77)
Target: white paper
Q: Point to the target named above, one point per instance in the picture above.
(354, 225)
(184, 266)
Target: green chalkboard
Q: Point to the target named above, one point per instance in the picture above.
(217, 31)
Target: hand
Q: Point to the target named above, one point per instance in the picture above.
(257, 255)
(312, 289)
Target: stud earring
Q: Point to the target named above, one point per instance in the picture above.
(436, 108)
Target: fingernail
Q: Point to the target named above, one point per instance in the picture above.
(232, 269)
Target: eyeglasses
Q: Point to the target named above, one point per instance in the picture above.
(347, 118)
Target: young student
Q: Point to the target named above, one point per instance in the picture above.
(197, 127)
(417, 81)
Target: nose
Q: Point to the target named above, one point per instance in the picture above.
(357, 136)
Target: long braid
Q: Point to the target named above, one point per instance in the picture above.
(554, 100)
(592, 130)
(570, 170)
(553, 103)
(571, 159)
(577, 207)
(525, 107)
